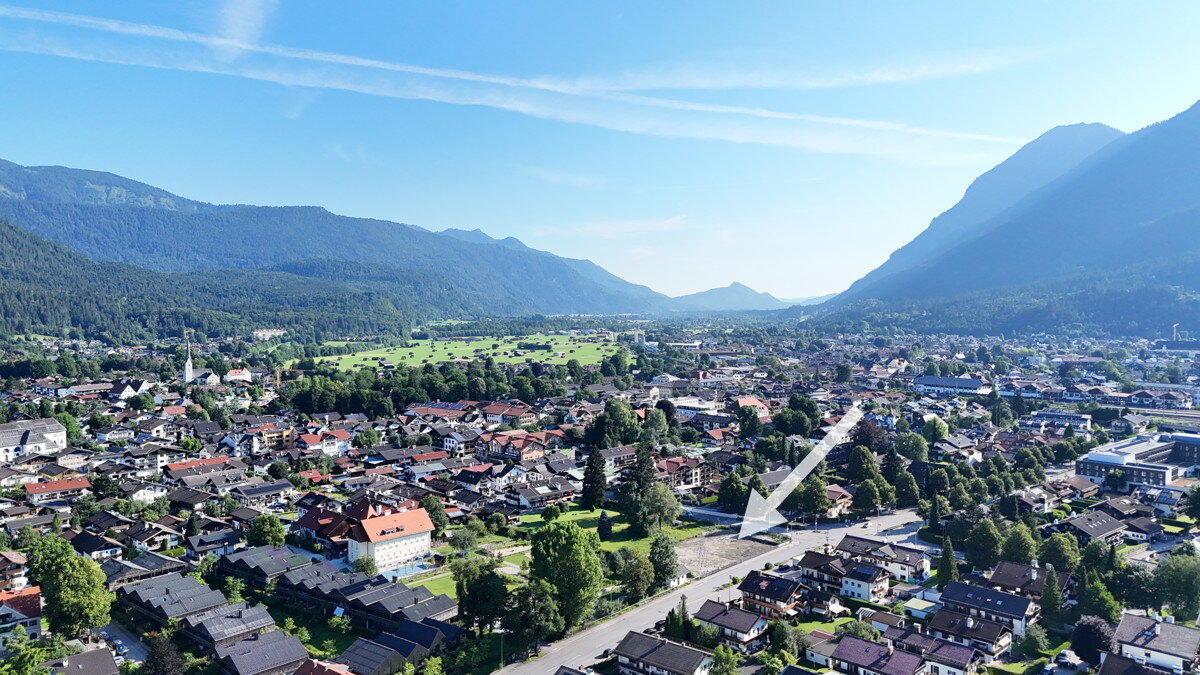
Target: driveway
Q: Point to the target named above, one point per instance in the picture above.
(137, 649)
(585, 647)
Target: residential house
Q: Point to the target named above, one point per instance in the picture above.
(393, 540)
(641, 654)
(855, 656)
(742, 630)
(1014, 611)
(1158, 642)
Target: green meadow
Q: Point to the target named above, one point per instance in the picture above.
(586, 349)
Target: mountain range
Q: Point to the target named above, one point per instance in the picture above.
(150, 238)
(1084, 228)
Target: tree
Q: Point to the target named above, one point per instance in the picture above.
(812, 497)
(1051, 601)
(234, 588)
(1018, 545)
(912, 446)
(733, 493)
(367, 438)
(637, 575)
(1095, 556)
(43, 552)
(481, 591)
(947, 570)
(432, 666)
(77, 598)
(266, 530)
(365, 565)
(725, 661)
(860, 629)
(1033, 643)
(604, 526)
(866, 497)
(532, 614)
(907, 491)
(1177, 583)
(1062, 551)
(1091, 637)
(935, 430)
(861, 465)
(1095, 599)
(663, 559)
(749, 423)
(163, 658)
(437, 513)
(595, 481)
(892, 466)
(551, 513)
(1192, 504)
(566, 557)
(786, 638)
(983, 545)
(842, 373)
(659, 507)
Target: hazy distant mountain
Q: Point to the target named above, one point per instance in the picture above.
(108, 217)
(1034, 166)
(735, 296)
(649, 299)
(1111, 242)
(812, 300)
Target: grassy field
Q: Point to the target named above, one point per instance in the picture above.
(621, 535)
(563, 348)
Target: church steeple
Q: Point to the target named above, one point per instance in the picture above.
(188, 372)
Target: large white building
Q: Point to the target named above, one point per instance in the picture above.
(393, 540)
(29, 437)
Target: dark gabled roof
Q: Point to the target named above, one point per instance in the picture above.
(863, 546)
(669, 656)
(1024, 578)
(986, 599)
(932, 648)
(955, 623)
(230, 621)
(94, 662)
(1115, 664)
(770, 586)
(1145, 632)
(876, 657)
(423, 634)
(368, 656)
(263, 653)
(1096, 524)
(733, 618)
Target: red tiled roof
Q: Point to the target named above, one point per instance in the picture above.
(57, 485)
(197, 462)
(401, 524)
(27, 601)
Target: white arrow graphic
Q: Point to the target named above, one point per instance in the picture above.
(762, 512)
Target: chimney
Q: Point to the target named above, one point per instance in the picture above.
(919, 628)
(970, 622)
(1034, 563)
(891, 649)
(1169, 618)
(1157, 628)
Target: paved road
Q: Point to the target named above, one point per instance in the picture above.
(585, 647)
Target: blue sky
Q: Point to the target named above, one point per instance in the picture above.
(790, 146)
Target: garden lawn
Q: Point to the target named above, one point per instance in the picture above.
(621, 535)
(318, 627)
(438, 585)
(827, 626)
(587, 350)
